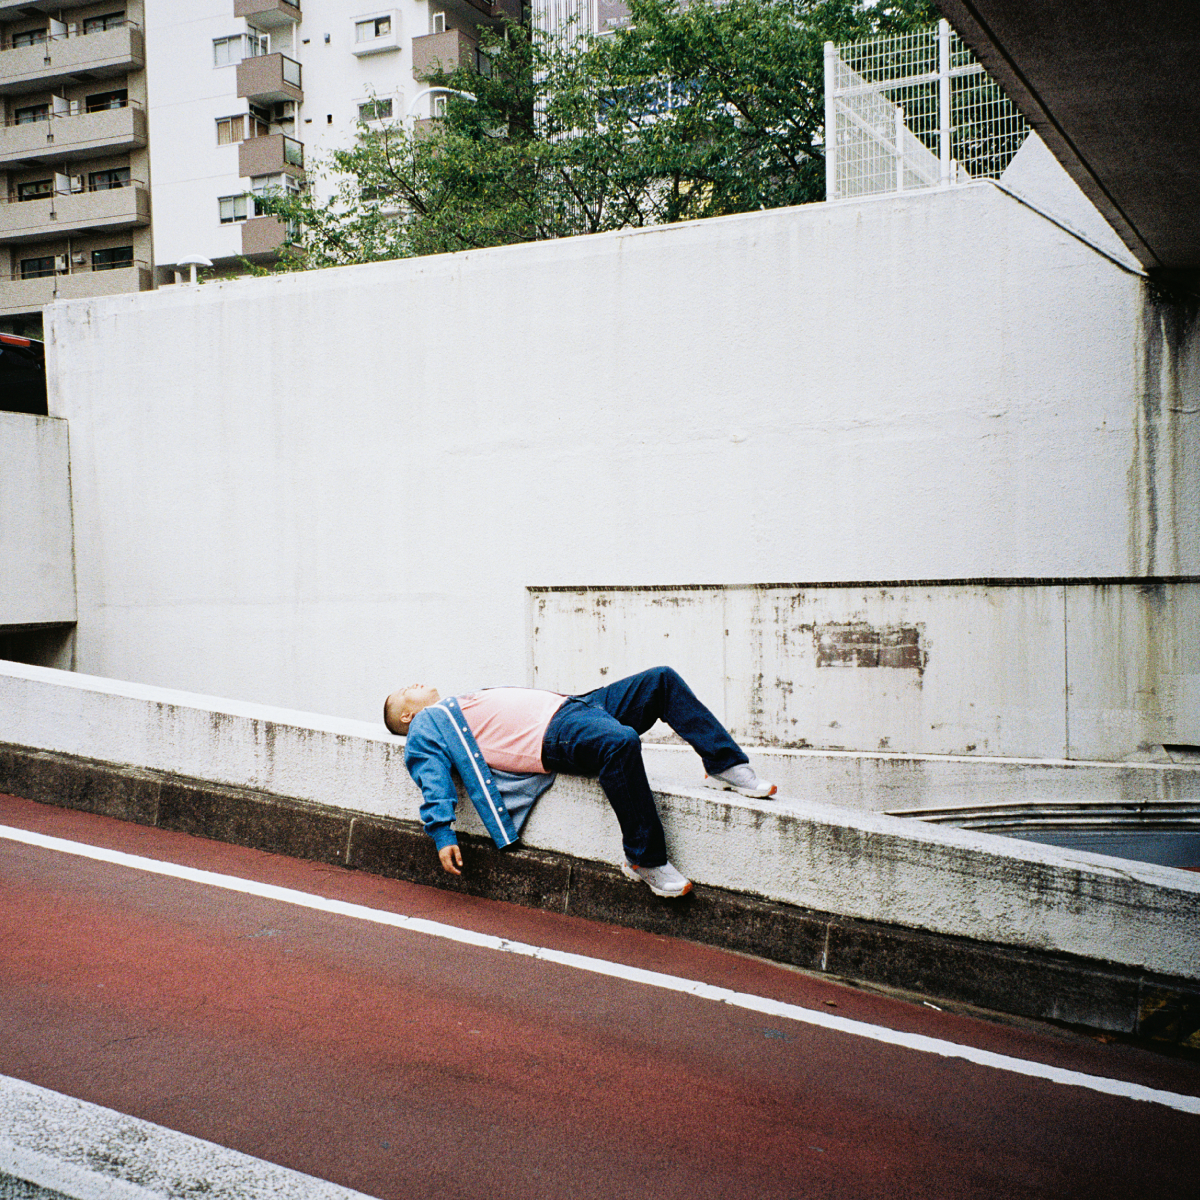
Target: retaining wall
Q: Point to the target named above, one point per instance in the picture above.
(37, 570)
(309, 489)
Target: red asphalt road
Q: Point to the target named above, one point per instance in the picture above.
(407, 1066)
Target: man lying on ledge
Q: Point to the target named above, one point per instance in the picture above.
(507, 743)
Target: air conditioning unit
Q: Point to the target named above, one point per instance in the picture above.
(60, 263)
(77, 183)
(284, 110)
(79, 259)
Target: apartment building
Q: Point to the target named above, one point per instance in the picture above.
(137, 134)
(75, 216)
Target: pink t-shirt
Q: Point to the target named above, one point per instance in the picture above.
(509, 725)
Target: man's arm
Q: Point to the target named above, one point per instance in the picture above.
(429, 764)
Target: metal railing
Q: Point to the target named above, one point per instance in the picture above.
(913, 111)
(47, 38)
(13, 121)
(77, 269)
(89, 187)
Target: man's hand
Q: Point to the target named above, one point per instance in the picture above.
(451, 857)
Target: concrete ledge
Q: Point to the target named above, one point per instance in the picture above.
(1044, 986)
(963, 915)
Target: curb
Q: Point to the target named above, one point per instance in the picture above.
(1073, 990)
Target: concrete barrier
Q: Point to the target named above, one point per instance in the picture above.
(968, 916)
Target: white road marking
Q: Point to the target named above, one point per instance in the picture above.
(89, 1152)
(599, 966)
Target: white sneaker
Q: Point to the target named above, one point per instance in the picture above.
(741, 779)
(662, 881)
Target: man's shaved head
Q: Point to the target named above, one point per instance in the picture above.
(400, 707)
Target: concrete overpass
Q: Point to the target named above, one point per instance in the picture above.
(1108, 87)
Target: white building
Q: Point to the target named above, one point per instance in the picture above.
(134, 131)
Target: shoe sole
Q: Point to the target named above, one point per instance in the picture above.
(630, 873)
(754, 793)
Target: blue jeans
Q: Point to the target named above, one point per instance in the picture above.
(597, 734)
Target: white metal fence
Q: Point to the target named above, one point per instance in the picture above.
(913, 111)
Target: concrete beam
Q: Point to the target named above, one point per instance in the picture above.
(1100, 82)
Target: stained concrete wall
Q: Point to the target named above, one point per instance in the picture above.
(307, 489)
(1065, 670)
(833, 860)
(37, 578)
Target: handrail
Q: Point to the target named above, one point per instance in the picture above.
(13, 198)
(91, 112)
(78, 269)
(7, 44)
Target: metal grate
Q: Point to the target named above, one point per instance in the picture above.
(913, 111)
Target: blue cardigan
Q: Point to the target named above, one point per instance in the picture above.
(440, 744)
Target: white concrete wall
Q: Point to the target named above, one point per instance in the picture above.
(830, 859)
(305, 490)
(37, 572)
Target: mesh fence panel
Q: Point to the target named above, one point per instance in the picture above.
(884, 109)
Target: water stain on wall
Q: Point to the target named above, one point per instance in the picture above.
(860, 644)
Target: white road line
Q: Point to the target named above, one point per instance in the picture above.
(73, 1148)
(598, 966)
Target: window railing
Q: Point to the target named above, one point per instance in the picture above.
(48, 115)
(89, 186)
(73, 268)
(8, 44)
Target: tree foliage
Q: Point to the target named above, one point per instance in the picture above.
(687, 112)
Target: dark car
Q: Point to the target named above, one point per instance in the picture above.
(22, 375)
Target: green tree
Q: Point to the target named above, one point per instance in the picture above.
(685, 113)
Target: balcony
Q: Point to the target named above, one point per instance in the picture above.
(19, 295)
(262, 235)
(62, 60)
(269, 79)
(267, 14)
(14, 10)
(443, 51)
(63, 138)
(74, 212)
(269, 155)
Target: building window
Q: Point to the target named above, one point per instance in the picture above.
(232, 208)
(100, 24)
(31, 113)
(438, 23)
(261, 184)
(375, 110)
(37, 268)
(35, 189)
(230, 50)
(112, 259)
(104, 100)
(239, 128)
(31, 37)
(103, 181)
(376, 27)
